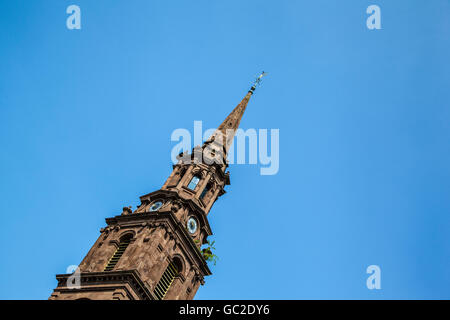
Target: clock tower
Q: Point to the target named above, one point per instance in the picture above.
(154, 252)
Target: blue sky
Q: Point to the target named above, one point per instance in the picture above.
(86, 117)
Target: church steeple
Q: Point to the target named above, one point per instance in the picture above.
(154, 252)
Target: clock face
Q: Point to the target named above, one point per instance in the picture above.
(192, 225)
(156, 206)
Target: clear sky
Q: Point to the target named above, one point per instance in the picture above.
(86, 117)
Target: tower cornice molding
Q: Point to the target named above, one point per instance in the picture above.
(114, 279)
(173, 194)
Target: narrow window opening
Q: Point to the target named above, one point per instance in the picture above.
(177, 177)
(194, 182)
(205, 191)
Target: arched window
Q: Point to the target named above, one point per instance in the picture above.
(124, 242)
(205, 191)
(166, 280)
(177, 177)
(208, 193)
(194, 182)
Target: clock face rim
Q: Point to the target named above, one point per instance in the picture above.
(158, 206)
(196, 225)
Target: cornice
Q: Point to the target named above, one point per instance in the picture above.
(171, 194)
(131, 277)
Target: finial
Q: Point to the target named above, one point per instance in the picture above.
(257, 82)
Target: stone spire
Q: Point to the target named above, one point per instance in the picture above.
(224, 134)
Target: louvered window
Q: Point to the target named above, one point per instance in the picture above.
(166, 281)
(119, 252)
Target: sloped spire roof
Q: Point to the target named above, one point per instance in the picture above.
(228, 127)
(224, 134)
